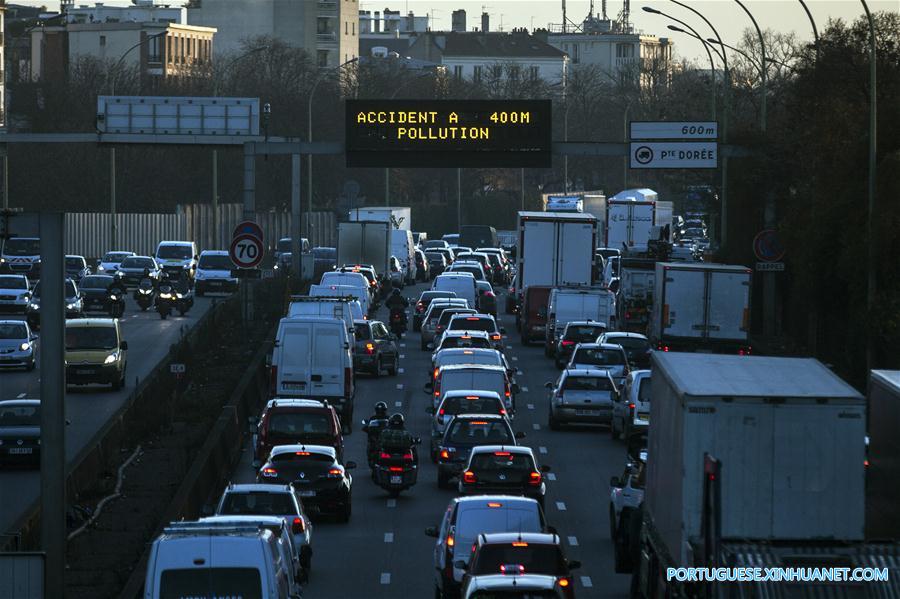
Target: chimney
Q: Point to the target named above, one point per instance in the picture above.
(376, 22)
(485, 22)
(458, 20)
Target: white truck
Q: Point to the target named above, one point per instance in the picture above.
(701, 307)
(577, 303)
(630, 215)
(752, 461)
(400, 218)
(637, 283)
(365, 242)
(404, 249)
(883, 496)
(555, 249)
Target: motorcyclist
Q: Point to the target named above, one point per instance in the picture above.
(396, 439)
(146, 277)
(396, 301)
(373, 427)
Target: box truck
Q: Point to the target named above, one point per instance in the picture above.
(629, 219)
(555, 249)
(751, 461)
(365, 242)
(701, 307)
(637, 282)
(399, 217)
(883, 473)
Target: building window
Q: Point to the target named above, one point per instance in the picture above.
(624, 51)
(346, 28)
(102, 41)
(354, 28)
(322, 58)
(575, 53)
(535, 72)
(458, 71)
(496, 71)
(476, 75)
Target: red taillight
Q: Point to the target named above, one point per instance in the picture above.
(420, 307)
(745, 351)
(502, 453)
(506, 389)
(564, 582)
(273, 379)
(269, 472)
(534, 478)
(502, 412)
(434, 376)
(489, 294)
(631, 406)
(396, 468)
(567, 343)
(407, 457)
(298, 526)
(662, 347)
(469, 477)
(450, 541)
(370, 348)
(384, 456)
(441, 412)
(520, 544)
(496, 336)
(445, 455)
(335, 472)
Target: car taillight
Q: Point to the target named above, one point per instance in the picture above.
(489, 294)
(335, 473)
(444, 455)
(439, 327)
(434, 376)
(469, 477)
(745, 351)
(370, 348)
(298, 526)
(384, 455)
(269, 472)
(396, 469)
(495, 337)
(451, 541)
(564, 582)
(273, 379)
(506, 389)
(534, 478)
(408, 457)
(662, 347)
(566, 343)
(420, 307)
(441, 412)
(502, 412)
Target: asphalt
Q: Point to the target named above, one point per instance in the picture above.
(383, 551)
(89, 408)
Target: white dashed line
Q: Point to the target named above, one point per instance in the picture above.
(542, 449)
(134, 315)
(586, 582)
(524, 389)
(20, 395)
(400, 371)
(515, 358)
(561, 506)
(573, 541)
(531, 406)
(389, 537)
(400, 386)
(536, 426)
(551, 476)
(386, 578)
(402, 345)
(519, 371)
(392, 503)
(402, 356)
(398, 404)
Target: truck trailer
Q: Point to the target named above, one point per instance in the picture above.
(365, 242)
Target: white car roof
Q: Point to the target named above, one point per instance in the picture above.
(319, 449)
(294, 403)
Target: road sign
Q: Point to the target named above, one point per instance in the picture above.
(767, 246)
(675, 154)
(674, 130)
(177, 368)
(246, 251)
(159, 115)
(248, 227)
(770, 266)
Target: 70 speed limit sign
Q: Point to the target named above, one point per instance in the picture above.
(246, 251)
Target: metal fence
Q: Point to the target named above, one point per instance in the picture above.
(89, 234)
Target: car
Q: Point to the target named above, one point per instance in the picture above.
(131, 270)
(473, 356)
(575, 332)
(76, 267)
(461, 283)
(177, 256)
(15, 293)
(110, 262)
(487, 299)
(465, 432)
(17, 345)
(514, 553)
(487, 271)
(449, 254)
(467, 401)
(511, 305)
(632, 408)
(283, 249)
(349, 278)
(365, 270)
(626, 494)
(431, 320)
(461, 377)
(324, 259)
(467, 266)
(503, 469)
(20, 432)
(21, 256)
(532, 586)
(437, 262)
(637, 347)
(95, 292)
(498, 265)
(396, 273)
(287, 421)
(463, 339)
(74, 304)
(319, 479)
(583, 396)
(214, 273)
(271, 500)
(376, 348)
(95, 352)
(424, 302)
(467, 517)
(423, 266)
(451, 239)
(605, 356)
(477, 322)
(436, 244)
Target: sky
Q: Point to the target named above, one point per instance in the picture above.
(725, 15)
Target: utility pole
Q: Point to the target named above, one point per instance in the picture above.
(458, 199)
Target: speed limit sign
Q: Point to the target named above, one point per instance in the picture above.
(246, 251)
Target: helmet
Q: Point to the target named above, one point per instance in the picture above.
(396, 421)
(395, 291)
(381, 409)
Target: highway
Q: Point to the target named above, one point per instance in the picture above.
(90, 407)
(383, 551)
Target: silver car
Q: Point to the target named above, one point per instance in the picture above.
(14, 293)
(632, 408)
(583, 396)
(16, 345)
(605, 356)
(430, 320)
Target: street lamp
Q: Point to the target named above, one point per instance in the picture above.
(763, 70)
(309, 135)
(814, 28)
(873, 122)
(712, 65)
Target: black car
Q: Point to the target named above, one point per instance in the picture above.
(437, 262)
(577, 331)
(376, 348)
(422, 304)
(637, 347)
(76, 268)
(74, 305)
(321, 481)
(465, 432)
(20, 432)
(423, 267)
(503, 470)
(131, 270)
(96, 292)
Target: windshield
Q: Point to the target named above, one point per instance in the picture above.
(583, 333)
(480, 432)
(70, 289)
(473, 342)
(311, 462)
(12, 282)
(215, 262)
(514, 594)
(79, 338)
(27, 415)
(471, 404)
(115, 256)
(473, 270)
(502, 462)
(599, 357)
(13, 331)
(289, 424)
(644, 390)
(174, 252)
(96, 282)
(324, 253)
(22, 247)
(134, 262)
(435, 256)
(210, 582)
(491, 359)
(630, 343)
(473, 323)
(694, 233)
(362, 332)
(472, 522)
(447, 314)
(257, 503)
(588, 383)
(75, 262)
(536, 558)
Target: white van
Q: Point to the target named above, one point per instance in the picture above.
(175, 256)
(361, 295)
(312, 359)
(466, 377)
(463, 284)
(354, 279)
(577, 303)
(214, 273)
(346, 308)
(191, 559)
(404, 249)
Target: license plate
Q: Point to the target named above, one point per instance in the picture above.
(585, 412)
(84, 371)
(644, 417)
(21, 450)
(396, 480)
(215, 283)
(307, 493)
(293, 386)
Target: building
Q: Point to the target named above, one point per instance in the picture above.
(326, 29)
(2, 65)
(392, 22)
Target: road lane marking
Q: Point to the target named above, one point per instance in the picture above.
(402, 345)
(524, 389)
(392, 503)
(386, 578)
(561, 506)
(389, 537)
(399, 386)
(398, 404)
(586, 582)
(551, 476)
(536, 426)
(573, 541)
(519, 371)
(20, 395)
(400, 371)
(402, 356)
(531, 406)
(515, 358)
(542, 449)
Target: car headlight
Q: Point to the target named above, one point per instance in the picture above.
(165, 295)
(113, 298)
(100, 268)
(34, 306)
(74, 305)
(24, 347)
(111, 358)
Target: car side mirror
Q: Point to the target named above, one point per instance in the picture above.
(548, 384)
(545, 468)
(460, 564)
(350, 465)
(574, 564)
(123, 345)
(615, 482)
(519, 435)
(428, 388)
(430, 346)
(32, 337)
(431, 531)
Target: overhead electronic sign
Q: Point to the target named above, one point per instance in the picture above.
(448, 133)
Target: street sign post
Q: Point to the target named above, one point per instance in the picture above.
(246, 251)
(767, 247)
(248, 227)
(674, 130)
(665, 155)
(770, 266)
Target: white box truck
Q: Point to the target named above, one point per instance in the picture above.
(883, 492)
(701, 307)
(637, 283)
(595, 203)
(577, 303)
(365, 242)
(630, 215)
(750, 459)
(403, 248)
(555, 249)
(400, 218)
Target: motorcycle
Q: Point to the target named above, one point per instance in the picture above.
(396, 469)
(184, 300)
(165, 300)
(116, 303)
(398, 321)
(145, 294)
(373, 428)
